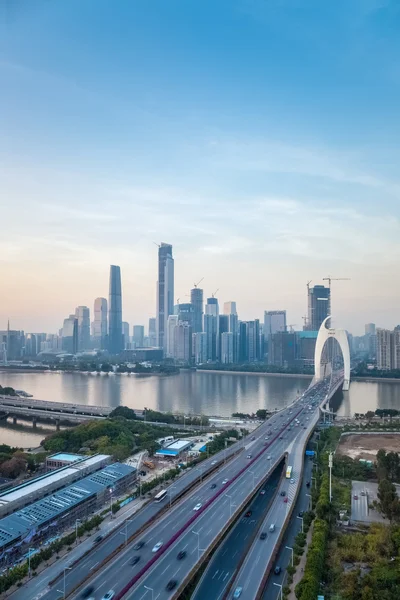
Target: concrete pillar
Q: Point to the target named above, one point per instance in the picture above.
(57, 424)
(14, 420)
(34, 422)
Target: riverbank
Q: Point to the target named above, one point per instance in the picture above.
(376, 379)
(258, 373)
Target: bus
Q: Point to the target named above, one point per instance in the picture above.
(160, 496)
(288, 472)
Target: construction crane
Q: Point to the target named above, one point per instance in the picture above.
(291, 327)
(335, 279)
(198, 283)
(158, 245)
(213, 294)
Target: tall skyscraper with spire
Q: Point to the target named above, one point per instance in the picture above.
(115, 338)
(165, 292)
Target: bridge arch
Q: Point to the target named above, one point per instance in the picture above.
(340, 335)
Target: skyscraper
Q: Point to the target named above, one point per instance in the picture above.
(152, 332)
(99, 325)
(227, 347)
(384, 353)
(230, 308)
(200, 347)
(319, 298)
(185, 312)
(172, 324)
(274, 322)
(211, 328)
(82, 313)
(138, 335)
(370, 329)
(233, 326)
(115, 341)
(69, 341)
(183, 342)
(126, 343)
(196, 299)
(165, 291)
(253, 340)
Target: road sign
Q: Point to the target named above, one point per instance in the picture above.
(310, 453)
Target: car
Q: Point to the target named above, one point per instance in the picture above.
(213, 486)
(301, 513)
(181, 554)
(157, 547)
(88, 592)
(286, 500)
(238, 592)
(281, 437)
(292, 480)
(308, 483)
(249, 455)
(272, 527)
(198, 506)
(363, 493)
(214, 462)
(253, 438)
(355, 497)
(263, 535)
(262, 492)
(277, 570)
(139, 545)
(109, 595)
(225, 481)
(135, 560)
(248, 514)
(98, 539)
(171, 585)
(283, 493)
(304, 427)
(269, 457)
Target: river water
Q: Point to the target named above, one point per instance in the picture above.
(189, 392)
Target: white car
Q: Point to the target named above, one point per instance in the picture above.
(214, 462)
(157, 547)
(109, 596)
(198, 506)
(225, 481)
(292, 480)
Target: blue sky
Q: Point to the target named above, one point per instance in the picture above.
(259, 137)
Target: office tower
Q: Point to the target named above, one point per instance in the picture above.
(319, 298)
(13, 342)
(200, 347)
(223, 327)
(227, 347)
(230, 308)
(126, 342)
(396, 348)
(69, 343)
(243, 349)
(31, 347)
(115, 341)
(370, 329)
(196, 299)
(165, 291)
(100, 324)
(172, 323)
(138, 336)
(211, 328)
(274, 321)
(152, 332)
(383, 349)
(253, 340)
(185, 312)
(82, 313)
(183, 342)
(282, 349)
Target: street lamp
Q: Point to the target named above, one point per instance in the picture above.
(171, 487)
(151, 590)
(111, 499)
(29, 561)
(230, 504)
(125, 533)
(310, 501)
(280, 595)
(76, 530)
(290, 548)
(315, 481)
(201, 473)
(254, 476)
(302, 524)
(63, 591)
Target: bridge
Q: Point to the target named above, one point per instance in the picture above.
(220, 491)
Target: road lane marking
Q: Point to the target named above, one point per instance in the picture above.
(216, 573)
(95, 565)
(166, 569)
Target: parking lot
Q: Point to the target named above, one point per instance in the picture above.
(366, 492)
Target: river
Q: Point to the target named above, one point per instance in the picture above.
(189, 392)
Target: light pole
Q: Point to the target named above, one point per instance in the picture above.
(63, 591)
(170, 496)
(254, 476)
(29, 561)
(302, 524)
(290, 548)
(280, 595)
(151, 590)
(111, 499)
(230, 504)
(315, 481)
(226, 442)
(125, 533)
(198, 543)
(310, 501)
(76, 530)
(201, 473)
(330, 465)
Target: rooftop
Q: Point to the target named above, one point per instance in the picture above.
(65, 456)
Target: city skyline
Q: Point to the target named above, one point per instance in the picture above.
(274, 159)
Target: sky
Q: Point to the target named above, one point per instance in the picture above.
(261, 138)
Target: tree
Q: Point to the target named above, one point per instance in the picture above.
(386, 495)
(261, 414)
(13, 468)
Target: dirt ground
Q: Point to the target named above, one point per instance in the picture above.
(367, 445)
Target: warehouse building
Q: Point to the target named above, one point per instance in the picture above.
(175, 448)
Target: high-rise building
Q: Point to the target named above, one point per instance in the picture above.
(282, 349)
(211, 328)
(126, 343)
(100, 324)
(253, 340)
(115, 340)
(165, 291)
(274, 322)
(319, 298)
(227, 347)
(82, 313)
(370, 329)
(196, 299)
(384, 349)
(138, 336)
(223, 327)
(242, 342)
(152, 332)
(200, 347)
(183, 342)
(69, 343)
(185, 312)
(230, 308)
(32, 348)
(172, 324)
(13, 342)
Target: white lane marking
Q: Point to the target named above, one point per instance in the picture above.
(95, 565)
(166, 569)
(227, 575)
(209, 531)
(216, 573)
(176, 572)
